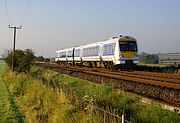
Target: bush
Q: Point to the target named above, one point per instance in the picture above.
(148, 58)
(22, 60)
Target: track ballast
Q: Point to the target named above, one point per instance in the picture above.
(161, 86)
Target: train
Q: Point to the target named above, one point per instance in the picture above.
(115, 52)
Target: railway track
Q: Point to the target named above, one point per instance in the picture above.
(165, 86)
(168, 78)
(152, 78)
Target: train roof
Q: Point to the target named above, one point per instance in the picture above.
(127, 38)
(110, 40)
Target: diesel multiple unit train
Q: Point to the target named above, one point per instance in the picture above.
(111, 53)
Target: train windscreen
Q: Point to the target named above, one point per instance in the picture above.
(128, 45)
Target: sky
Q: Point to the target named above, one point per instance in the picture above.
(49, 25)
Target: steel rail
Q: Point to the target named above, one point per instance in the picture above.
(147, 76)
(161, 82)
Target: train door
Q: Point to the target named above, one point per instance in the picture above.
(73, 56)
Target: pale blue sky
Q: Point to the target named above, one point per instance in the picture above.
(55, 24)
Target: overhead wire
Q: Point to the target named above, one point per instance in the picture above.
(24, 15)
(24, 18)
(1, 9)
(7, 13)
(26, 11)
(8, 19)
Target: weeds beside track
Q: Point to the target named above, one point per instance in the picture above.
(165, 87)
(45, 96)
(9, 112)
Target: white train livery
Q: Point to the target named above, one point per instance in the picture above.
(114, 52)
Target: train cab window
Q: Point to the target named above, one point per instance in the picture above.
(62, 54)
(128, 45)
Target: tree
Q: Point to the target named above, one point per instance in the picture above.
(40, 58)
(22, 61)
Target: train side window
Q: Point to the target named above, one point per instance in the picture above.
(91, 51)
(96, 50)
(70, 53)
(88, 51)
(109, 49)
(77, 53)
(85, 51)
(57, 54)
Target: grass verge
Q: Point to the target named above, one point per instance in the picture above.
(45, 96)
(9, 112)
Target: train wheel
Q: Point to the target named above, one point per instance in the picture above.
(116, 67)
(100, 64)
(58, 63)
(105, 65)
(95, 64)
(90, 64)
(109, 65)
(112, 65)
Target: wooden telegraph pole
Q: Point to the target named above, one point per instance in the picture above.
(14, 45)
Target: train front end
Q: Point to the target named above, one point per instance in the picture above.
(128, 51)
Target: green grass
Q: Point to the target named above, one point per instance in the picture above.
(45, 96)
(9, 113)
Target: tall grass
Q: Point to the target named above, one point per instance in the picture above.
(9, 112)
(45, 96)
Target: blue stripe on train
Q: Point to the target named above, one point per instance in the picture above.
(87, 56)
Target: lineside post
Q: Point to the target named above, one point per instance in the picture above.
(14, 45)
(123, 117)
